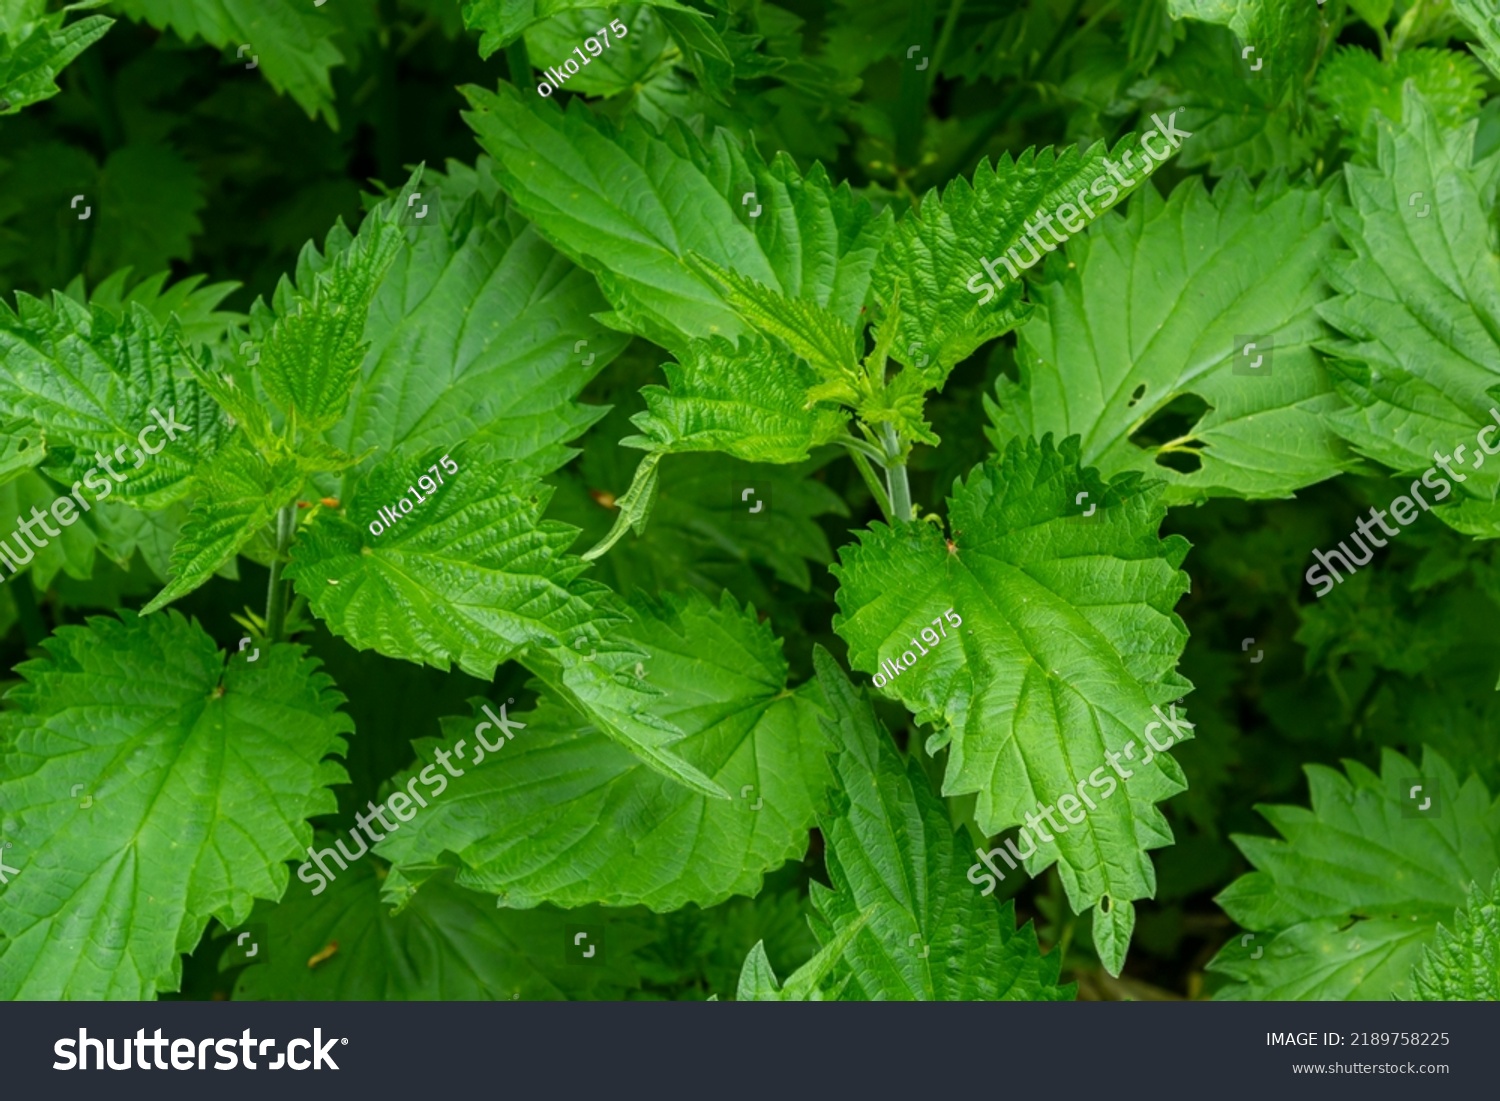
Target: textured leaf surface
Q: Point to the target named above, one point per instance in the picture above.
(1067, 640)
(630, 205)
(480, 334)
(470, 577)
(937, 252)
(191, 301)
(474, 576)
(72, 553)
(1356, 84)
(897, 869)
(33, 53)
(89, 378)
(749, 402)
(1420, 302)
(201, 776)
(501, 22)
(1343, 907)
(312, 340)
(1160, 304)
(449, 944)
(1463, 964)
(1283, 34)
(1484, 20)
(758, 982)
(564, 815)
(238, 494)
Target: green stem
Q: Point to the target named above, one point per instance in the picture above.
(519, 64)
(867, 472)
(895, 475)
(864, 447)
(286, 523)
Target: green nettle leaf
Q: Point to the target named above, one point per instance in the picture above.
(897, 870)
(293, 42)
(951, 255)
(630, 205)
(1356, 84)
(89, 380)
(1483, 20)
(1283, 35)
(629, 66)
(148, 786)
(750, 402)
(481, 334)
(1420, 309)
(22, 447)
(238, 494)
(72, 553)
(312, 337)
(501, 22)
(758, 982)
(473, 576)
(32, 53)
(449, 944)
(1061, 644)
(1238, 120)
(564, 815)
(1159, 306)
(1343, 908)
(1464, 965)
(829, 347)
(192, 302)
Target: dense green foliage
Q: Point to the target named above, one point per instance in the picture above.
(824, 501)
